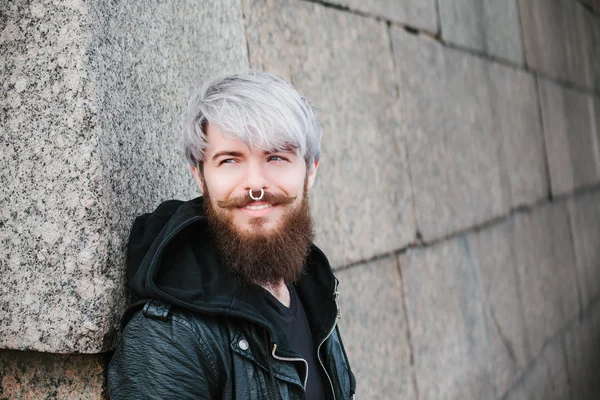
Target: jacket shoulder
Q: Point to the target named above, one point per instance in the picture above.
(162, 351)
(201, 325)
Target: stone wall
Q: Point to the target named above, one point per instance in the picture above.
(458, 196)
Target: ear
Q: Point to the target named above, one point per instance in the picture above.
(197, 178)
(313, 174)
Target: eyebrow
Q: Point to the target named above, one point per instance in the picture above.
(227, 153)
(287, 149)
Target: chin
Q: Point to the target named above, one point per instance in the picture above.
(258, 225)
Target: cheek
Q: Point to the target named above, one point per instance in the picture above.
(291, 182)
(218, 187)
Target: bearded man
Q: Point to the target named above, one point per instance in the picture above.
(239, 303)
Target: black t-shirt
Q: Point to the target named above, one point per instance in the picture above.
(295, 325)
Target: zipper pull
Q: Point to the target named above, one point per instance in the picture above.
(336, 295)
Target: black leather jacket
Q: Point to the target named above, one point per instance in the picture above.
(201, 335)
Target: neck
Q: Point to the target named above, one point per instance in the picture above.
(280, 291)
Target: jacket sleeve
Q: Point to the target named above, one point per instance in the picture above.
(160, 359)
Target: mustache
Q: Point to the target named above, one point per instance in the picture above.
(242, 201)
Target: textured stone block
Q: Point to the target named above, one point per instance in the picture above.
(547, 272)
(594, 5)
(489, 26)
(492, 252)
(465, 318)
(585, 220)
(453, 151)
(28, 375)
(414, 13)
(571, 132)
(362, 199)
(559, 40)
(547, 379)
(374, 330)
(582, 348)
(516, 117)
(92, 96)
(592, 23)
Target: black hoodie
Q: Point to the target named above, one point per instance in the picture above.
(172, 257)
(204, 335)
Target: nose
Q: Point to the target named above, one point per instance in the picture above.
(255, 180)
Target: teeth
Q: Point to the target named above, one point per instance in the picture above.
(261, 207)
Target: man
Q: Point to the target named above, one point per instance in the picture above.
(239, 303)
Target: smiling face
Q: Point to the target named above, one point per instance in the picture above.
(231, 169)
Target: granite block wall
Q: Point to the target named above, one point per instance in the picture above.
(561, 40)
(487, 26)
(92, 94)
(457, 198)
(34, 376)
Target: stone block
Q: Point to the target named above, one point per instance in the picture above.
(464, 314)
(488, 26)
(584, 211)
(491, 250)
(571, 131)
(547, 273)
(582, 348)
(546, 379)
(559, 40)
(29, 375)
(592, 23)
(454, 154)
(374, 330)
(516, 118)
(92, 95)
(362, 200)
(414, 13)
(594, 5)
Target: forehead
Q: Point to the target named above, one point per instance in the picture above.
(216, 141)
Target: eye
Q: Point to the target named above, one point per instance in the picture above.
(227, 161)
(276, 158)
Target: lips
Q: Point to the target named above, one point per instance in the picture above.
(257, 209)
(261, 207)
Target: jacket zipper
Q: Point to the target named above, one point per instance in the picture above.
(292, 359)
(336, 295)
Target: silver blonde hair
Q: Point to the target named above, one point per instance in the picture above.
(258, 108)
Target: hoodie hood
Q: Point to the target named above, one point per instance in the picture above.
(172, 256)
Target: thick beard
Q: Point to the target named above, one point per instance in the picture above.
(259, 256)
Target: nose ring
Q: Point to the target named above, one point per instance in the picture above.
(262, 193)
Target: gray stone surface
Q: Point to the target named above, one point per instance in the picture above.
(93, 95)
(29, 375)
(516, 118)
(453, 150)
(592, 23)
(489, 26)
(465, 318)
(594, 5)
(414, 13)
(582, 348)
(547, 379)
(341, 62)
(374, 330)
(571, 130)
(492, 252)
(547, 273)
(584, 211)
(560, 40)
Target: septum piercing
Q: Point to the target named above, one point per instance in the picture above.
(262, 193)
